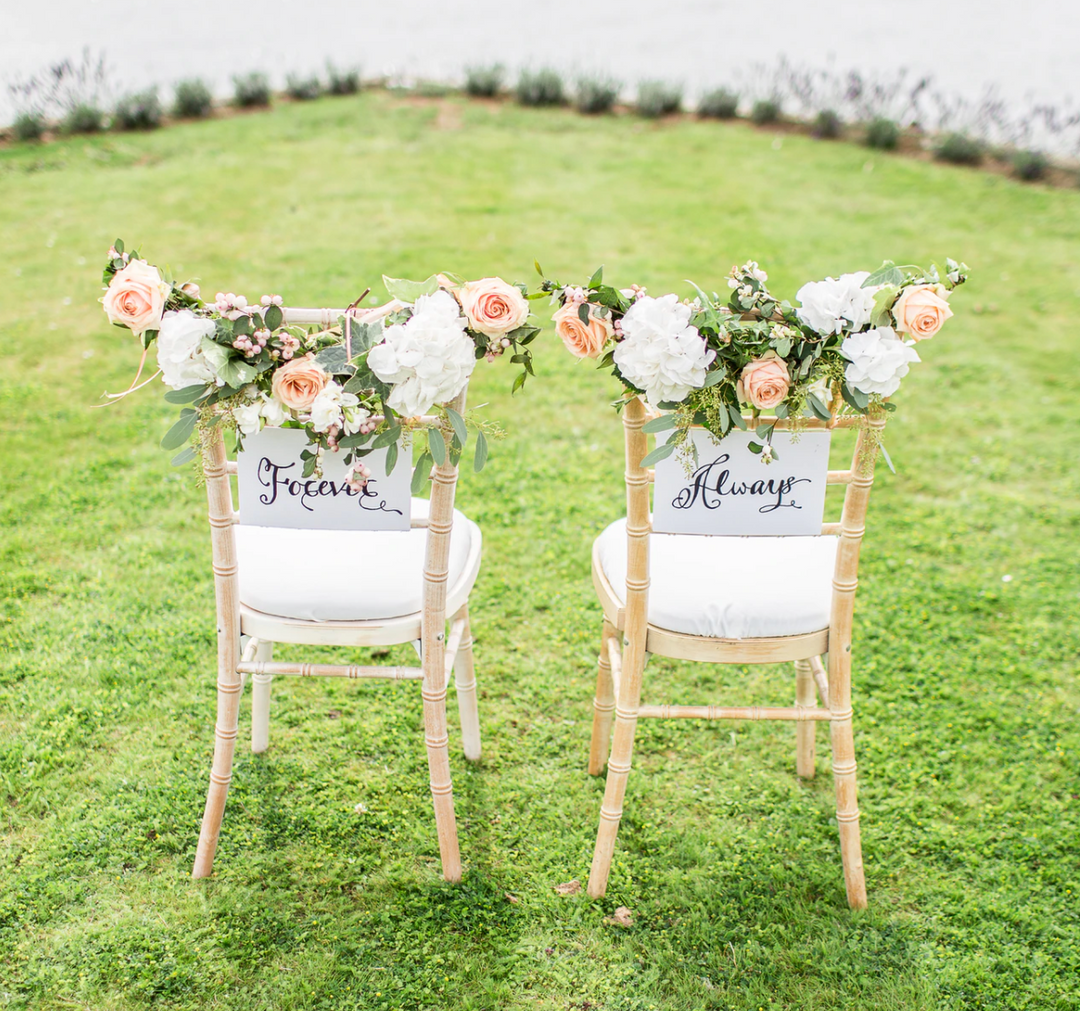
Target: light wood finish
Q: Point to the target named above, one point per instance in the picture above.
(260, 698)
(227, 594)
(805, 700)
(802, 714)
(329, 670)
(638, 529)
(626, 617)
(603, 701)
(465, 686)
(428, 626)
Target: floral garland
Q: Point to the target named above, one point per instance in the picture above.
(352, 388)
(845, 348)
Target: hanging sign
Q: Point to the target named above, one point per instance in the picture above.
(731, 491)
(274, 492)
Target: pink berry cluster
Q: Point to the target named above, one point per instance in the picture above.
(231, 306)
(253, 344)
(496, 347)
(575, 296)
(356, 477)
(269, 300)
(289, 346)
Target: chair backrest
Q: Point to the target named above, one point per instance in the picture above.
(223, 517)
(858, 478)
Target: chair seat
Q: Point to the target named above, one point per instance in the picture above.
(729, 587)
(345, 575)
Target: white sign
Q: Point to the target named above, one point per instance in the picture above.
(274, 492)
(733, 492)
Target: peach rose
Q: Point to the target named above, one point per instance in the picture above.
(136, 297)
(492, 306)
(920, 311)
(765, 382)
(297, 384)
(582, 340)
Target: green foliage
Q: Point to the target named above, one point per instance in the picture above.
(596, 94)
(1030, 166)
(658, 98)
(251, 90)
(960, 149)
(326, 894)
(138, 111)
(301, 88)
(28, 126)
(828, 125)
(342, 82)
(720, 103)
(192, 99)
(83, 118)
(484, 81)
(883, 134)
(765, 111)
(540, 87)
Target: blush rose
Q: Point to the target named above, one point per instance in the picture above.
(582, 340)
(492, 306)
(136, 297)
(765, 382)
(921, 311)
(297, 384)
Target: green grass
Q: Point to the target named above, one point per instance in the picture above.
(966, 698)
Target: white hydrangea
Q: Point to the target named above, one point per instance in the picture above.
(831, 305)
(878, 360)
(427, 360)
(179, 355)
(661, 353)
(273, 411)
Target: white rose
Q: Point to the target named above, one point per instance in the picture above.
(179, 355)
(834, 304)
(426, 360)
(274, 413)
(879, 360)
(661, 353)
(248, 418)
(327, 407)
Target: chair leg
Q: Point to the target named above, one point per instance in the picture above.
(228, 710)
(612, 807)
(847, 810)
(438, 752)
(603, 707)
(805, 698)
(465, 685)
(260, 701)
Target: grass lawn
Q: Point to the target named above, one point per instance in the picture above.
(326, 891)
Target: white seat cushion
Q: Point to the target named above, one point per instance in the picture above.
(729, 587)
(343, 575)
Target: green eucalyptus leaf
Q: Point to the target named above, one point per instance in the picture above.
(436, 445)
(519, 381)
(821, 410)
(715, 377)
(185, 455)
(180, 432)
(387, 437)
(391, 457)
(662, 424)
(421, 472)
(597, 278)
(754, 447)
(662, 452)
(736, 417)
(539, 269)
(481, 454)
(458, 423)
(186, 395)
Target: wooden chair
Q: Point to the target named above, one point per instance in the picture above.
(443, 581)
(629, 614)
